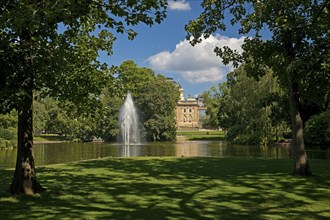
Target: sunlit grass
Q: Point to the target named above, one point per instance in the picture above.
(48, 138)
(173, 188)
(202, 135)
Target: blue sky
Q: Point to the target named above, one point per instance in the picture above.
(164, 49)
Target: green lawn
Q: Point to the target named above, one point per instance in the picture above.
(202, 135)
(48, 138)
(173, 188)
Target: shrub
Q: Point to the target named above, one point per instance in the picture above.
(317, 129)
(8, 137)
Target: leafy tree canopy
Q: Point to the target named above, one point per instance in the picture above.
(53, 45)
(298, 51)
(299, 47)
(130, 77)
(247, 108)
(156, 101)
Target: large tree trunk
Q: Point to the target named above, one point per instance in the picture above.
(25, 180)
(301, 165)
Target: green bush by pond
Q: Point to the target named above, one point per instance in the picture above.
(317, 129)
(173, 188)
(8, 137)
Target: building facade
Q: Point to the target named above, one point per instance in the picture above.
(186, 112)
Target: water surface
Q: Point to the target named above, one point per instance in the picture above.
(54, 153)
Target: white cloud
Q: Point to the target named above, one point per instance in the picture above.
(180, 5)
(199, 63)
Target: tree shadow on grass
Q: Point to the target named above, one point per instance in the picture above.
(5, 180)
(173, 188)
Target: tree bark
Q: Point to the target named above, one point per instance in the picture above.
(301, 165)
(25, 179)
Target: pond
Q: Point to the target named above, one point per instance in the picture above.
(54, 153)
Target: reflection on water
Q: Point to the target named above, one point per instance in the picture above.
(46, 154)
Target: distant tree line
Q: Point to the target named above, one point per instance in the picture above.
(154, 96)
(256, 111)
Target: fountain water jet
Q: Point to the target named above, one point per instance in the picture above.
(128, 122)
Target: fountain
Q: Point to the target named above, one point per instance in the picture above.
(128, 122)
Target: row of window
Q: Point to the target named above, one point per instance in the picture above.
(185, 119)
(187, 110)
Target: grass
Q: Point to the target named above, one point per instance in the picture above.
(173, 188)
(202, 135)
(48, 138)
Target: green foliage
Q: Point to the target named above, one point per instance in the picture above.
(156, 102)
(53, 117)
(8, 137)
(8, 120)
(106, 118)
(131, 77)
(296, 48)
(317, 129)
(52, 47)
(297, 52)
(128, 77)
(40, 114)
(211, 101)
(8, 129)
(155, 98)
(245, 109)
(85, 128)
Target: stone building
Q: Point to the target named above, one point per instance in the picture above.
(187, 112)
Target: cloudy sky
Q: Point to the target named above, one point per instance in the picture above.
(164, 49)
